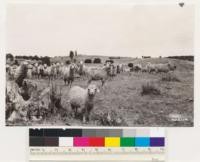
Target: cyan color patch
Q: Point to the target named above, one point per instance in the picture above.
(142, 142)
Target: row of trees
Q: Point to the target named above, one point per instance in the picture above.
(44, 60)
(28, 57)
(95, 61)
(72, 54)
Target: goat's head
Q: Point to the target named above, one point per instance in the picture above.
(92, 90)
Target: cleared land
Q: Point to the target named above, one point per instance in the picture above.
(123, 100)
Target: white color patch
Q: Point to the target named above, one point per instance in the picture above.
(157, 132)
(66, 141)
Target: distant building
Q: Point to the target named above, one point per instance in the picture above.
(112, 57)
(145, 57)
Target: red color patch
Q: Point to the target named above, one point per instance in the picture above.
(96, 141)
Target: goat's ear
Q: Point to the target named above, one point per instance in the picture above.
(88, 90)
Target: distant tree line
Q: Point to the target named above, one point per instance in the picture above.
(95, 61)
(44, 60)
(28, 57)
(189, 58)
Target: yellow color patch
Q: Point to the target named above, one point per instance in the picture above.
(112, 141)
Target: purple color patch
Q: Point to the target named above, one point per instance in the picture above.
(81, 141)
(157, 141)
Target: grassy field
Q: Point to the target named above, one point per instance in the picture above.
(122, 98)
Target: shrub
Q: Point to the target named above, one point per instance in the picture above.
(35, 57)
(9, 56)
(88, 61)
(130, 65)
(110, 118)
(149, 88)
(111, 61)
(46, 60)
(170, 78)
(68, 62)
(16, 63)
(97, 61)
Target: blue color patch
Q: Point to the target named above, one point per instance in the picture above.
(142, 142)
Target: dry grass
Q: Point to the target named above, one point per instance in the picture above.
(169, 77)
(122, 95)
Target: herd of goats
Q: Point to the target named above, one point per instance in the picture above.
(81, 99)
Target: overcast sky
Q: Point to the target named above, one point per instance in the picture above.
(114, 30)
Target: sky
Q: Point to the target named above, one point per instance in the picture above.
(99, 29)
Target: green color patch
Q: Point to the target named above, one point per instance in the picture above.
(127, 142)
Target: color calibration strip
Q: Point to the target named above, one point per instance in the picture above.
(96, 138)
(101, 145)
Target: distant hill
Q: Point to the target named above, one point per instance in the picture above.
(189, 58)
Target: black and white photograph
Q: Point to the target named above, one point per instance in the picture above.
(129, 65)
